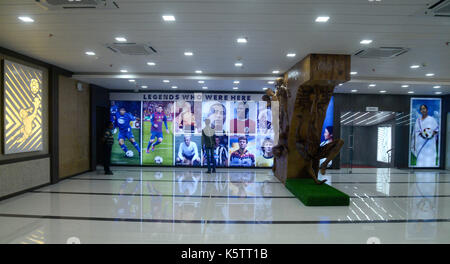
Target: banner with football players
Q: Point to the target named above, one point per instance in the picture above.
(165, 129)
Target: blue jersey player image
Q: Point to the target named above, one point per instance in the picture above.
(112, 116)
(156, 136)
(123, 120)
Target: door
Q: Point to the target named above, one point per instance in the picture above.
(369, 139)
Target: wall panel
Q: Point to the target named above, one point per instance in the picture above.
(74, 127)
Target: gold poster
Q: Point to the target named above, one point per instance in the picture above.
(22, 108)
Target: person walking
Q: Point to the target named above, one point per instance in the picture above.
(208, 140)
(108, 141)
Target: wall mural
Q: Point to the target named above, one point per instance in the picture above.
(22, 108)
(164, 129)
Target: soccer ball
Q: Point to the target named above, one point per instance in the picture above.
(427, 133)
(158, 160)
(129, 154)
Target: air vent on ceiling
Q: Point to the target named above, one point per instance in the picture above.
(131, 48)
(77, 4)
(381, 53)
(440, 8)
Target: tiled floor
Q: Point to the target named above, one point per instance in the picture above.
(179, 205)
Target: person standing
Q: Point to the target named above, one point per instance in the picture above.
(108, 141)
(208, 140)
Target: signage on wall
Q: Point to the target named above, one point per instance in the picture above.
(185, 97)
(22, 106)
(371, 108)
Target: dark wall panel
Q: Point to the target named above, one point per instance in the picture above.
(99, 102)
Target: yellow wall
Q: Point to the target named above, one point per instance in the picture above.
(74, 127)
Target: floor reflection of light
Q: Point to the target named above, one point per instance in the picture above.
(357, 207)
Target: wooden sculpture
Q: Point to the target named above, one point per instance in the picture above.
(303, 96)
(312, 102)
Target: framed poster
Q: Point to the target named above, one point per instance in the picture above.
(22, 105)
(425, 133)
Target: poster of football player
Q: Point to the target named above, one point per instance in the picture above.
(243, 117)
(188, 116)
(216, 112)
(127, 133)
(425, 132)
(220, 151)
(157, 133)
(188, 150)
(264, 145)
(242, 151)
(264, 123)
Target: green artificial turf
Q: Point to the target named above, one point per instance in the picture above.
(312, 194)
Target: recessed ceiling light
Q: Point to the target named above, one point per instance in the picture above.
(168, 17)
(123, 71)
(353, 73)
(341, 84)
(235, 88)
(90, 53)
(204, 87)
(429, 74)
(291, 55)
(131, 80)
(121, 39)
(188, 53)
(414, 66)
(372, 85)
(271, 82)
(275, 72)
(411, 92)
(322, 19)
(265, 88)
(242, 40)
(437, 92)
(238, 64)
(166, 81)
(144, 86)
(437, 87)
(174, 87)
(382, 91)
(354, 91)
(365, 41)
(405, 86)
(198, 71)
(201, 81)
(26, 19)
(236, 82)
(150, 63)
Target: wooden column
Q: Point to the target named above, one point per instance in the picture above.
(304, 96)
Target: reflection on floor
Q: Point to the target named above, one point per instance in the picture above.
(176, 205)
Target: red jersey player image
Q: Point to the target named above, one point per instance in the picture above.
(243, 123)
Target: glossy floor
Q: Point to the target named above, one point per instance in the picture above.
(176, 205)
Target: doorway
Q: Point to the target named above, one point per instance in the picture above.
(370, 139)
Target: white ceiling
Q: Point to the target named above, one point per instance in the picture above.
(209, 28)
